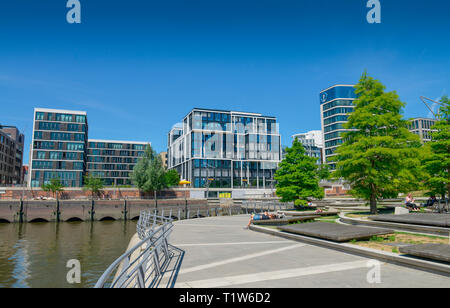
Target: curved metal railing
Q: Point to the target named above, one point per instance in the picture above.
(142, 265)
(260, 206)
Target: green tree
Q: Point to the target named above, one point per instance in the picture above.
(55, 186)
(149, 174)
(172, 178)
(436, 160)
(298, 177)
(379, 157)
(93, 184)
(324, 172)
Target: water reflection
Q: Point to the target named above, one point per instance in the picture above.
(36, 254)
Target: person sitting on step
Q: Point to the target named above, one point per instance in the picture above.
(409, 203)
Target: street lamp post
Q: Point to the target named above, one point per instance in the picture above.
(185, 182)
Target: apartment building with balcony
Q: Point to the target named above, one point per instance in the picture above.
(11, 155)
(225, 149)
(113, 160)
(58, 147)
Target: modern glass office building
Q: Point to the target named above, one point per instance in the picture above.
(113, 161)
(313, 143)
(225, 149)
(58, 147)
(335, 104)
(423, 128)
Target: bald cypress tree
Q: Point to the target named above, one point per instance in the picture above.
(436, 161)
(379, 156)
(298, 176)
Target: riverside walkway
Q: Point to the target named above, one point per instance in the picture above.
(219, 252)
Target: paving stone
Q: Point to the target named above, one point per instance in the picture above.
(398, 244)
(284, 221)
(334, 232)
(428, 219)
(439, 252)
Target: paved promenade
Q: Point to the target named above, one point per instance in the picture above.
(220, 253)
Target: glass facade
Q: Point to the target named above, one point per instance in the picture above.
(11, 156)
(113, 161)
(336, 103)
(58, 147)
(313, 143)
(61, 149)
(423, 128)
(225, 149)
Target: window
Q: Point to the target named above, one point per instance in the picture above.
(38, 164)
(63, 117)
(80, 119)
(60, 136)
(75, 146)
(78, 166)
(79, 137)
(40, 155)
(49, 126)
(37, 135)
(39, 116)
(73, 127)
(55, 155)
(44, 145)
(116, 146)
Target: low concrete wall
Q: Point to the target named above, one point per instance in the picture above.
(85, 210)
(17, 193)
(10, 212)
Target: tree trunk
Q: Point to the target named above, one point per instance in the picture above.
(156, 202)
(373, 204)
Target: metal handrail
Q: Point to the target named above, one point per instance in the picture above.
(141, 265)
(148, 221)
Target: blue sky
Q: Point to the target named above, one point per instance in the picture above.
(137, 67)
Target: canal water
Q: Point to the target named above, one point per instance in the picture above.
(36, 254)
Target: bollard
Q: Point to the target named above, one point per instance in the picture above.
(21, 211)
(179, 214)
(58, 212)
(125, 209)
(92, 209)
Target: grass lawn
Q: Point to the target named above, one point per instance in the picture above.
(330, 219)
(381, 242)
